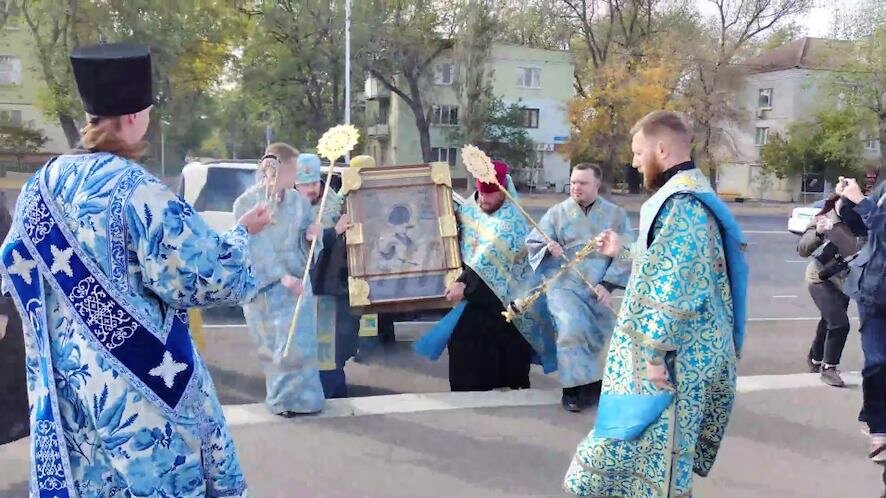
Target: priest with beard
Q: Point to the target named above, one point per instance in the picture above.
(485, 351)
(669, 382)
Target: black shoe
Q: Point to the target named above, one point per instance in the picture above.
(288, 414)
(591, 393)
(831, 377)
(571, 399)
(814, 366)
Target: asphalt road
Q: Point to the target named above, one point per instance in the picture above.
(403, 435)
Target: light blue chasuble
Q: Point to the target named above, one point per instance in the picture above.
(494, 247)
(292, 383)
(583, 324)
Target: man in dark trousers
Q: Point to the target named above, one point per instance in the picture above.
(485, 351)
(13, 389)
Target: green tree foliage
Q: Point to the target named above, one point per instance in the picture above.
(830, 144)
(478, 30)
(503, 135)
(404, 41)
(191, 43)
(861, 81)
(20, 140)
(291, 74)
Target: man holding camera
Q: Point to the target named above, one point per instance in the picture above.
(866, 284)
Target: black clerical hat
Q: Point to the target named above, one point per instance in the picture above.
(114, 79)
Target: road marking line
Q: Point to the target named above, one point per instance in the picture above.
(428, 324)
(795, 261)
(766, 232)
(257, 413)
(784, 297)
(792, 319)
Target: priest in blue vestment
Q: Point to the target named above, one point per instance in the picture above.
(279, 254)
(580, 301)
(670, 380)
(103, 262)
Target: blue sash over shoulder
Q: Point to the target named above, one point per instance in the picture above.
(159, 363)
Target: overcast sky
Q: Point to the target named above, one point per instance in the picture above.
(817, 22)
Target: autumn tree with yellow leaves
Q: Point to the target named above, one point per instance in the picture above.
(618, 96)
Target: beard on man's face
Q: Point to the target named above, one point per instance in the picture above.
(652, 175)
(490, 204)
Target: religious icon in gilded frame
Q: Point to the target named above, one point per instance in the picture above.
(403, 245)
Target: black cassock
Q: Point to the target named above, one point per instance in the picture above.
(13, 387)
(485, 351)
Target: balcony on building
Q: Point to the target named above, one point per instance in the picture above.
(380, 130)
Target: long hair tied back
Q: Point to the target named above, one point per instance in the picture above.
(100, 135)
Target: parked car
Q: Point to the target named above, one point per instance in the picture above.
(212, 186)
(802, 216)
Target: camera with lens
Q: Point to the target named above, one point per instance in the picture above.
(841, 247)
(831, 261)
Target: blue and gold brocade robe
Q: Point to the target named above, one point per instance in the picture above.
(678, 307)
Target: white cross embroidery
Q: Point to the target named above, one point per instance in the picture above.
(61, 260)
(168, 369)
(21, 266)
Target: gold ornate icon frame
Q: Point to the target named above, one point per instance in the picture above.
(403, 246)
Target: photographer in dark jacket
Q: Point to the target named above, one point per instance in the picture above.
(837, 229)
(866, 284)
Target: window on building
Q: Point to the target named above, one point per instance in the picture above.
(11, 116)
(444, 154)
(444, 115)
(530, 118)
(444, 74)
(872, 144)
(764, 100)
(10, 70)
(528, 77)
(384, 109)
(762, 137)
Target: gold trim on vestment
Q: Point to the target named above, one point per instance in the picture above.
(644, 339)
(487, 234)
(665, 308)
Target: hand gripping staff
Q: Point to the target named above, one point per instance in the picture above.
(336, 142)
(518, 305)
(478, 163)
